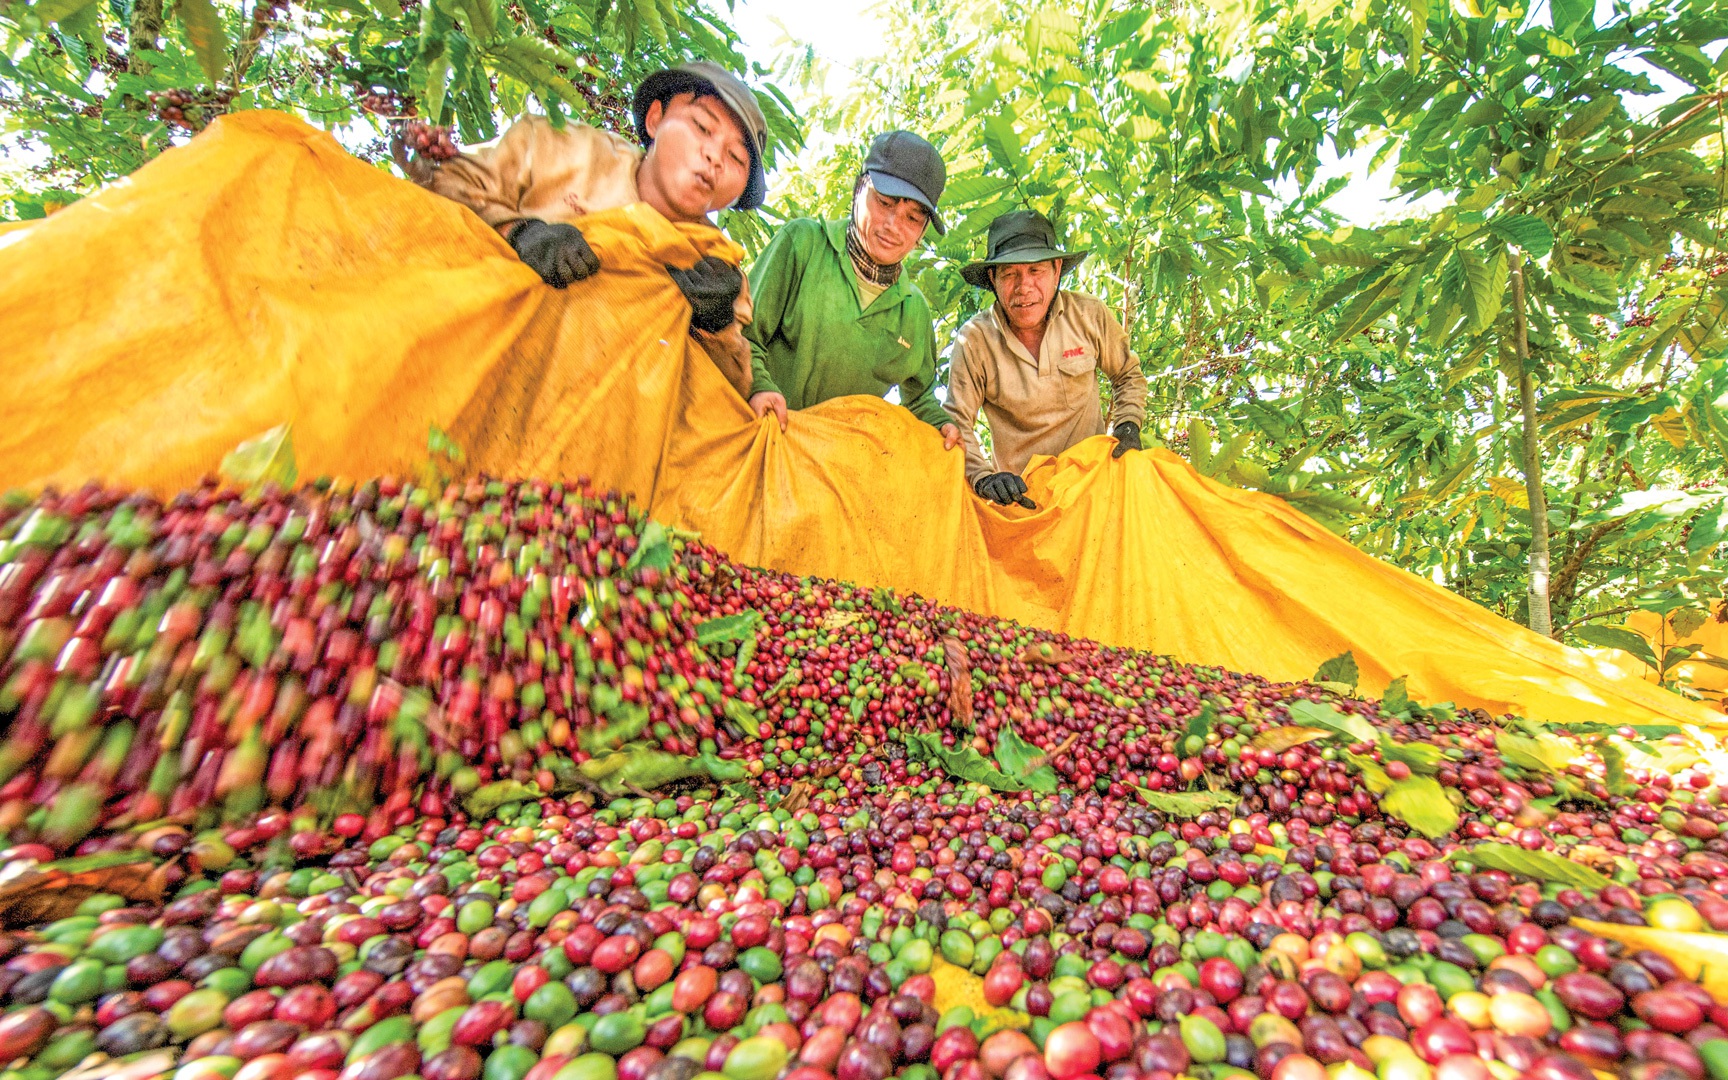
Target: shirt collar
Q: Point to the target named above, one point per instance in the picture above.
(891, 297)
(1018, 348)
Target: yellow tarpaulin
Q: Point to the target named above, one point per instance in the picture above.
(262, 275)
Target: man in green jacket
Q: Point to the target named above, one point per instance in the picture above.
(835, 314)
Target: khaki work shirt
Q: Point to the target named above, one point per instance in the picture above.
(1043, 404)
(537, 171)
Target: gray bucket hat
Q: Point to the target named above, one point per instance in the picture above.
(707, 77)
(1020, 236)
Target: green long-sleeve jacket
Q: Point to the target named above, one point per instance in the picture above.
(810, 341)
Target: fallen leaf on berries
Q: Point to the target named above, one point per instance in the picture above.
(1044, 653)
(55, 890)
(959, 682)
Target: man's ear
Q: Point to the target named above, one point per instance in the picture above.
(652, 118)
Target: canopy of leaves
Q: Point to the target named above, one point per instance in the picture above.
(92, 89)
(1363, 370)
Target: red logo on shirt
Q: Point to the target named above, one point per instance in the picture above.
(1066, 353)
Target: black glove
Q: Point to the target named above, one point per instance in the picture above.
(712, 287)
(1004, 488)
(1127, 438)
(555, 251)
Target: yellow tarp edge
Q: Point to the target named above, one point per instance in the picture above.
(262, 275)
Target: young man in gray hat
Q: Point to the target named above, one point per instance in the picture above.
(835, 312)
(702, 137)
(1031, 361)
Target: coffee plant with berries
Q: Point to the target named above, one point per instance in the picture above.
(96, 92)
(428, 140)
(190, 110)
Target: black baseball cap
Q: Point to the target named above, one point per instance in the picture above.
(707, 77)
(902, 165)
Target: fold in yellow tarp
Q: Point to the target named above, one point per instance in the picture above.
(262, 275)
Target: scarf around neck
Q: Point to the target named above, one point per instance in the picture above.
(869, 269)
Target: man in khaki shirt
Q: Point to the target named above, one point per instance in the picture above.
(704, 136)
(1031, 361)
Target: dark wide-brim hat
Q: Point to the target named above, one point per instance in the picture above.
(1018, 237)
(706, 77)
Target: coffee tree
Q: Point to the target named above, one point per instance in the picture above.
(1376, 377)
(96, 88)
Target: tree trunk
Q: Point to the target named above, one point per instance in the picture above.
(1128, 289)
(1540, 619)
(144, 36)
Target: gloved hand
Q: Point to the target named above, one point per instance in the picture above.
(1004, 488)
(557, 252)
(712, 287)
(1127, 438)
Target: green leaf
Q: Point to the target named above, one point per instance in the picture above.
(1571, 15)
(1526, 231)
(1349, 725)
(740, 627)
(1539, 865)
(1547, 754)
(744, 716)
(1015, 755)
(1374, 778)
(1423, 759)
(1614, 768)
(961, 762)
(1486, 280)
(722, 769)
(651, 768)
(1661, 757)
(1050, 29)
(204, 29)
(741, 662)
(101, 860)
(1642, 206)
(1613, 637)
(437, 79)
(790, 677)
(1186, 804)
(1420, 802)
(886, 600)
(266, 458)
(1200, 723)
(628, 721)
(1396, 700)
(1588, 118)
(653, 549)
(973, 189)
(1280, 739)
(1367, 306)
(1003, 143)
(484, 801)
(439, 442)
(1340, 669)
(1688, 621)
(53, 11)
(1643, 731)
(1708, 530)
